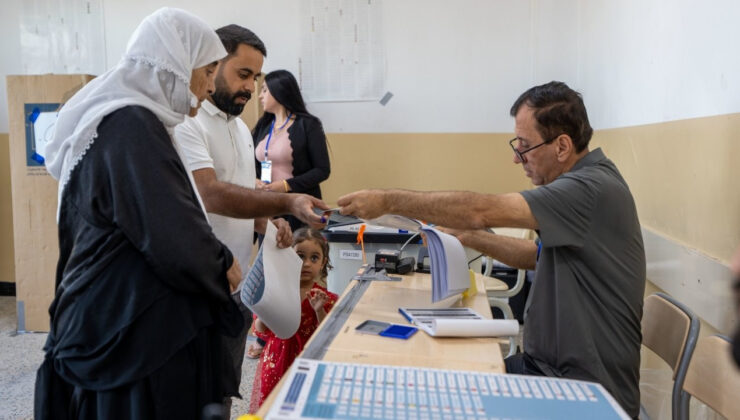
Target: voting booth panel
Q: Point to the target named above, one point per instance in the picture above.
(33, 102)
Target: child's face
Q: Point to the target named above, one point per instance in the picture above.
(313, 259)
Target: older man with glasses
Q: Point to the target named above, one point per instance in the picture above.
(584, 311)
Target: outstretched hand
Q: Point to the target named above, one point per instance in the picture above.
(365, 204)
(302, 206)
(284, 233)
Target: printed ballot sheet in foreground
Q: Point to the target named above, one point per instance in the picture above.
(272, 286)
(315, 389)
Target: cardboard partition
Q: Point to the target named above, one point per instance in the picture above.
(32, 105)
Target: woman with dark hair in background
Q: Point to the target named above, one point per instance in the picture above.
(291, 150)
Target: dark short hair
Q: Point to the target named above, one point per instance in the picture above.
(558, 109)
(308, 234)
(234, 35)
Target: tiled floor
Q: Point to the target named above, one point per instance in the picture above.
(21, 355)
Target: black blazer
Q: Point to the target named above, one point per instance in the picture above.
(310, 153)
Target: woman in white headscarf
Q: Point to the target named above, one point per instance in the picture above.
(142, 284)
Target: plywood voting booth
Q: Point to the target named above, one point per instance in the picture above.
(32, 105)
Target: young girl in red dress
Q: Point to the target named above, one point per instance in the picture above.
(279, 354)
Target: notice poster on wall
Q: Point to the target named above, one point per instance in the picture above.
(342, 54)
(40, 122)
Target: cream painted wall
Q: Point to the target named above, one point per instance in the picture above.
(684, 176)
(422, 161)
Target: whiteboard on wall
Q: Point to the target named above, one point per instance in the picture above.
(342, 55)
(62, 36)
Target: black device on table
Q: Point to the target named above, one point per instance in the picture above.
(392, 262)
(422, 261)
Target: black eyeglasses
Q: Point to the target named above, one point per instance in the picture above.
(520, 155)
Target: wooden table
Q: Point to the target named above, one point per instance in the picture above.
(381, 302)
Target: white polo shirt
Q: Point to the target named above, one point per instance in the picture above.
(213, 139)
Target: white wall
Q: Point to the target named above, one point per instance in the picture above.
(10, 52)
(643, 62)
(458, 66)
(452, 67)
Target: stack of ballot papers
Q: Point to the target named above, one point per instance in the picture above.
(458, 322)
(448, 264)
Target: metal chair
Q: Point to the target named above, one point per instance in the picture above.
(713, 378)
(670, 329)
(500, 298)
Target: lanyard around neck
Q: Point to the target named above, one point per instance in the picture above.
(272, 127)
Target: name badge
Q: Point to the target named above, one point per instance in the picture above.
(266, 172)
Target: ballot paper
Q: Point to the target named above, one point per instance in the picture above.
(448, 264)
(459, 322)
(271, 288)
(317, 389)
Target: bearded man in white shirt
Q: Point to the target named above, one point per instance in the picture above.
(218, 149)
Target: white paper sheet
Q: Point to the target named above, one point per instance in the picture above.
(272, 287)
(43, 131)
(474, 327)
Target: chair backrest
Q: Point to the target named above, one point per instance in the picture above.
(670, 330)
(713, 377)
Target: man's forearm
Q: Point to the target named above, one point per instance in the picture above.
(462, 210)
(239, 202)
(514, 252)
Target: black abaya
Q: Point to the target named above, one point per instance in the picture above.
(141, 289)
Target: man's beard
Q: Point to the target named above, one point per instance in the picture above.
(224, 99)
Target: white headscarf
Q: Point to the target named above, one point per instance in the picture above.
(154, 73)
